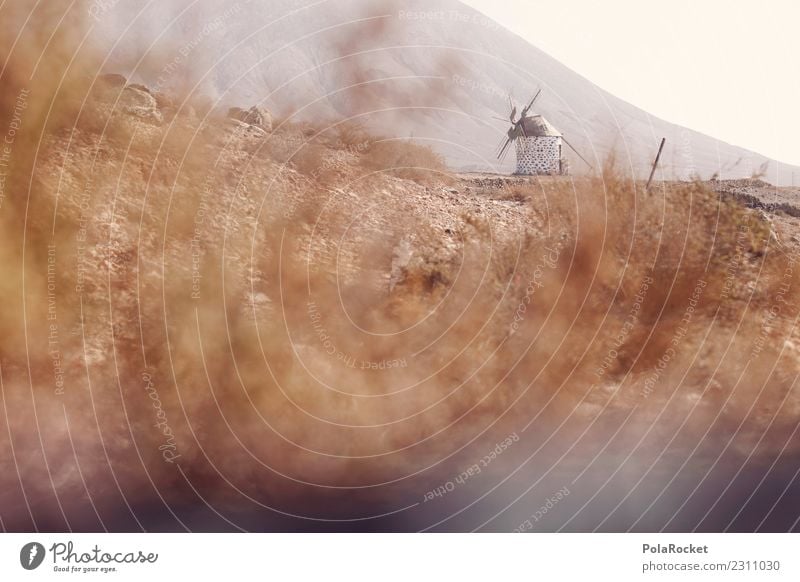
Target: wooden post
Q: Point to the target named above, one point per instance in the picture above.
(655, 164)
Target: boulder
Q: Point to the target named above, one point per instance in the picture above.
(260, 117)
(141, 103)
(257, 116)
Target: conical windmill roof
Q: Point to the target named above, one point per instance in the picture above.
(538, 126)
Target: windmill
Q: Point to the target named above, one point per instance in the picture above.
(517, 128)
(538, 143)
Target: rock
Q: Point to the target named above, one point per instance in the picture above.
(140, 87)
(141, 103)
(260, 117)
(256, 115)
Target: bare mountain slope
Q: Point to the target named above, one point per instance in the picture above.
(436, 70)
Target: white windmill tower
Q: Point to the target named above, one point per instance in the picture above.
(538, 144)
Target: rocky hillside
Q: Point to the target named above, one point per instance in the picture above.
(439, 71)
(247, 322)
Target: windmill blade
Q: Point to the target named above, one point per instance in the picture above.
(527, 108)
(499, 118)
(499, 149)
(504, 149)
(577, 153)
(503, 157)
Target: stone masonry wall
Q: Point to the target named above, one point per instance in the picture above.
(538, 155)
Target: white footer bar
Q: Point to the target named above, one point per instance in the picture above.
(401, 557)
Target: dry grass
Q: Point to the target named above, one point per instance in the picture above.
(253, 373)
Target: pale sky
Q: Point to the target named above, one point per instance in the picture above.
(728, 69)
